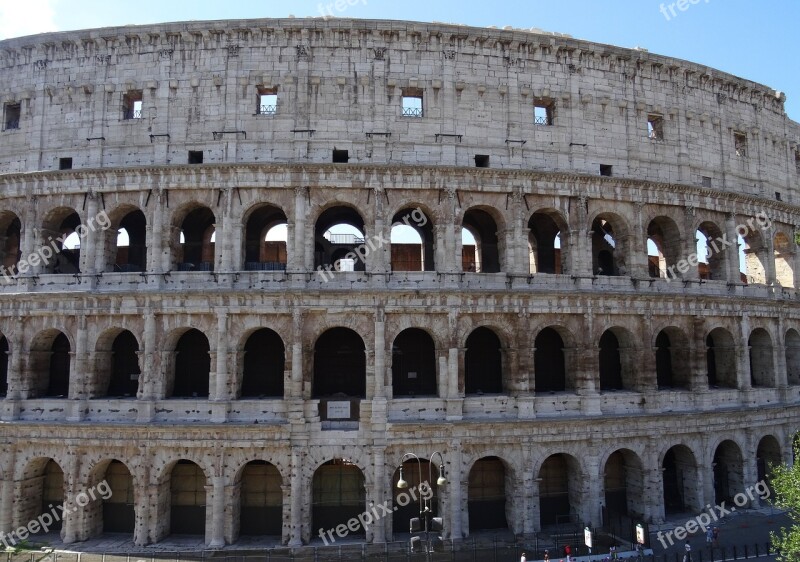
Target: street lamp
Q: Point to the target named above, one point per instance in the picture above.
(424, 522)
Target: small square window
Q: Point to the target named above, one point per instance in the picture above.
(412, 102)
(195, 157)
(606, 169)
(267, 101)
(481, 160)
(655, 127)
(777, 195)
(797, 161)
(340, 156)
(65, 163)
(13, 112)
(705, 181)
(132, 105)
(543, 112)
(740, 144)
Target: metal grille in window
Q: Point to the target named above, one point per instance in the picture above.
(412, 112)
(543, 113)
(740, 144)
(133, 114)
(267, 109)
(655, 127)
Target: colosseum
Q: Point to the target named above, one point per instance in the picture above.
(249, 266)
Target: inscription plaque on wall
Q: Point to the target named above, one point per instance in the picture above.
(338, 410)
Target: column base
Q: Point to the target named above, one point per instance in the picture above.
(146, 411)
(9, 410)
(75, 410)
(219, 411)
(590, 405)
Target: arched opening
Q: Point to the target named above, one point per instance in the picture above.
(768, 456)
(10, 236)
(711, 252)
(412, 241)
(261, 500)
(266, 233)
(263, 366)
(545, 244)
(721, 359)
(664, 247)
(338, 494)
(762, 372)
(411, 474)
(338, 233)
(124, 371)
(623, 479)
(118, 503)
(49, 365)
(483, 363)
(3, 366)
(128, 249)
(784, 260)
(487, 495)
(43, 484)
(485, 254)
(187, 509)
(609, 254)
(680, 475)
(197, 240)
(728, 472)
(672, 359)
(413, 364)
(59, 232)
(560, 489)
(340, 366)
(792, 357)
(615, 368)
(549, 366)
(752, 258)
(192, 366)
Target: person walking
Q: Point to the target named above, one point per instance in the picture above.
(716, 536)
(522, 558)
(688, 556)
(709, 536)
(546, 556)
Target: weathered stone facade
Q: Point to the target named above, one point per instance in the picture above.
(126, 105)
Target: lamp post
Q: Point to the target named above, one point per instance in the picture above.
(424, 522)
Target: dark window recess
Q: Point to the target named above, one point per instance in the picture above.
(481, 160)
(267, 101)
(778, 195)
(655, 127)
(13, 111)
(797, 161)
(340, 156)
(705, 181)
(606, 169)
(195, 157)
(65, 163)
(543, 112)
(132, 105)
(740, 144)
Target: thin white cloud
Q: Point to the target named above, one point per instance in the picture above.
(18, 18)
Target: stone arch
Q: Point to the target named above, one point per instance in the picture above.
(784, 252)
(680, 474)
(258, 253)
(728, 466)
(768, 456)
(258, 506)
(624, 483)
(485, 224)
(561, 480)
(792, 346)
(411, 256)
(113, 508)
(712, 252)
(762, 371)
(124, 258)
(193, 237)
(116, 370)
(548, 242)
(10, 241)
(414, 364)
(483, 363)
(550, 360)
(721, 359)
(338, 493)
(40, 489)
(183, 506)
(610, 245)
(58, 227)
(665, 235)
(328, 251)
(487, 494)
(191, 367)
(339, 364)
(50, 364)
(263, 365)
(617, 356)
(672, 359)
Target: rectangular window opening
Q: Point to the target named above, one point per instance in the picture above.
(340, 156)
(65, 163)
(797, 161)
(543, 112)
(705, 181)
(655, 127)
(740, 144)
(132, 105)
(195, 157)
(267, 101)
(481, 160)
(13, 112)
(606, 169)
(412, 102)
(778, 196)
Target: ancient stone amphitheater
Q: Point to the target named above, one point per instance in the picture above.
(249, 265)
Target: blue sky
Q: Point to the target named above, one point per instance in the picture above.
(754, 40)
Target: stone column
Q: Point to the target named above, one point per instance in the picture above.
(743, 355)
(155, 246)
(455, 482)
(303, 243)
(151, 363)
(217, 512)
(222, 390)
(79, 367)
(768, 258)
(296, 524)
(380, 354)
(750, 466)
(144, 508)
(295, 390)
(593, 489)
(6, 501)
(379, 492)
(29, 230)
(15, 382)
(732, 257)
(89, 241)
(779, 356)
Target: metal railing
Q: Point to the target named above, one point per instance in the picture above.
(267, 109)
(348, 239)
(542, 120)
(265, 266)
(132, 114)
(412, 112)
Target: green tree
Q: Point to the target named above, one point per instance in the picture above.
(786, 483)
